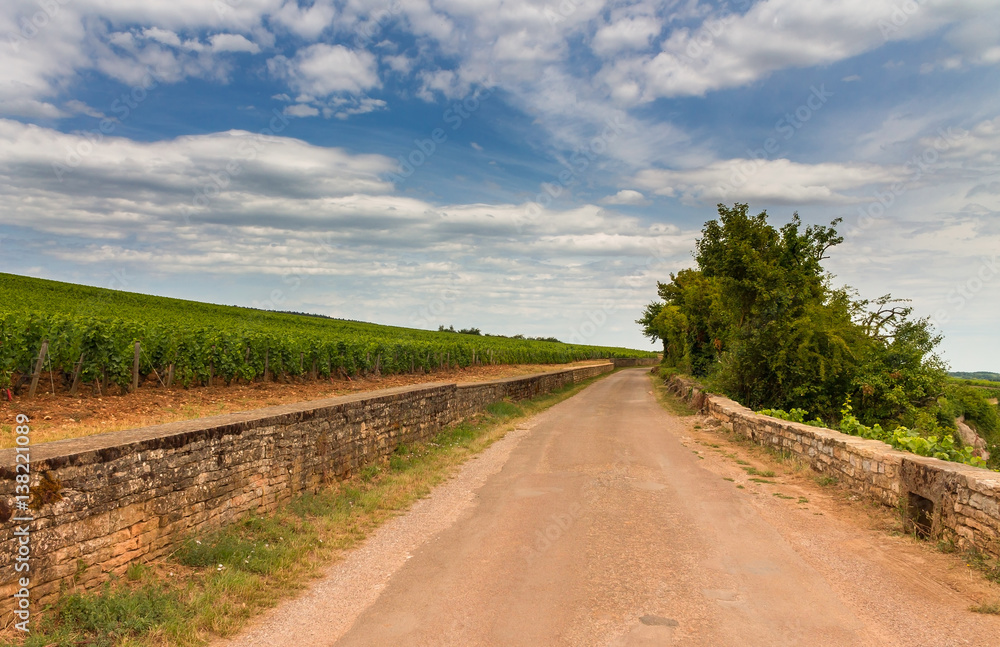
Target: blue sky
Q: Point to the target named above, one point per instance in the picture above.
(520, 166)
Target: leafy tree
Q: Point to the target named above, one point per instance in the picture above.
(759, 319)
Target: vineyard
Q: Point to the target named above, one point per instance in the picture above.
(106, 338)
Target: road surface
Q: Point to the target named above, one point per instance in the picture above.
(597, 523)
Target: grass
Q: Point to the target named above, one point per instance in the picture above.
(759, 480)
(753, 471)
(990, 608)
(985, 564)
(672, 403)
(827, 481)
(215, 582)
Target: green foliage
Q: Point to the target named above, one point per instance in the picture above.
(795, 415)
(759, 320)
(111, 616)
(943, 447)
(229, 343)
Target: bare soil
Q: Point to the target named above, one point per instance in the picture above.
(60, 415)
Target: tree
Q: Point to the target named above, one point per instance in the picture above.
(759, 319)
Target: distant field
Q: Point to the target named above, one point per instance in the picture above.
(978, 376)
(92, 331)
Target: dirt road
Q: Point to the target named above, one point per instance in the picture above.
(598, 524)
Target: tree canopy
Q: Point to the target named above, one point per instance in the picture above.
(759, 319)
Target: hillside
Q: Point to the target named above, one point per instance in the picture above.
(91, 334)
(976, 375)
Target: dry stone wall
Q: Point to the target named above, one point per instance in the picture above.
(635, 361)
(102, 502)
(942, 499)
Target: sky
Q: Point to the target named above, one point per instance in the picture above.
(521, 166)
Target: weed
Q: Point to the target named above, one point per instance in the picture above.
(504, 409)
(757, 480)
(988, 566)
(672, 403)
(802, 499)
(947, 545)
(741, 462)
(726, 478)
(782, 496)
(740, 487)
(992, 608)
(827, 481)
(753, 471)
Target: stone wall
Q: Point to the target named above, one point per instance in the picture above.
(942, 499)
(636, 361)
(108, 500)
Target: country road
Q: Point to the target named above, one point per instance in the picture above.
(597, 523)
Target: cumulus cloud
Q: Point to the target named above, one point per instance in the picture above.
(626, 196)
(308, 22)
(322, 70)
(732, 50)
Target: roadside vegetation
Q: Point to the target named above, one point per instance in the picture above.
(761, 320)
(215, 583)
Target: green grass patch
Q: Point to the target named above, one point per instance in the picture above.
(726, 478)
(753, 471)
(782, 496)
(215, 582)
(827, 481)
(990, 608)
(984, 563)
(759, 480)
(672, 403)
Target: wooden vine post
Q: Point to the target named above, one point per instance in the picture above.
(135, 368)
(76, 376)
(37, 373)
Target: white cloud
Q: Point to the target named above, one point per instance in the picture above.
(233, 43)
(775, 181)
(301, 110)
(628, 33)
(626, 196)
(400, 63)
(322, 70)
(734, 50)
(307, 22)
(79, 107)
(164, 36)
(343, 108)
(30, 108)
